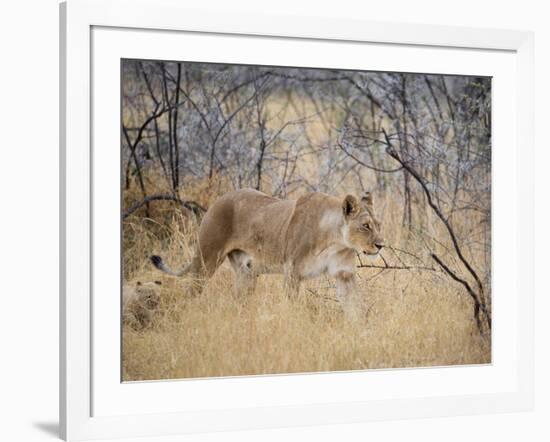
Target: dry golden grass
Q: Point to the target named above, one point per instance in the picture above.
(414, 318)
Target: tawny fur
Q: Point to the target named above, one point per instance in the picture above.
(140, 302)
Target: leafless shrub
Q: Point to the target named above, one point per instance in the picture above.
(420, 142)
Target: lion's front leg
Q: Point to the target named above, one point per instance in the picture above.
(347, 293)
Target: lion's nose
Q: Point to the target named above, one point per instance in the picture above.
(379, 245)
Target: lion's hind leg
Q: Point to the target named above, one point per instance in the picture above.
(245, 273)
(292, 284)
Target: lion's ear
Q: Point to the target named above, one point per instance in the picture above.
(368, 200)
(350, 206)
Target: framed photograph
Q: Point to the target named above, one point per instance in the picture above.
(276, 221)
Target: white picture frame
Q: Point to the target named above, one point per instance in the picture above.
(80, 378)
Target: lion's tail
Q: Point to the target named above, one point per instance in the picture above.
(159, 264)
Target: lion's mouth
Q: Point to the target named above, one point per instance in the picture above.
(371, 253)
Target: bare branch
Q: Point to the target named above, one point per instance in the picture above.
(393, 153)
(193, 206)
(478, 305)
(390, 267)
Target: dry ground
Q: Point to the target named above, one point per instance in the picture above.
(413, 318)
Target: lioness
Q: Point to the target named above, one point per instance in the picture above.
(305, 238)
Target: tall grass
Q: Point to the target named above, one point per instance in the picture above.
(413, 317)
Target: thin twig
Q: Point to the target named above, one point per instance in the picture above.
(390, 267)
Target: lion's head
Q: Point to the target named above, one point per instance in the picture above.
(362, 226)
(140, 302)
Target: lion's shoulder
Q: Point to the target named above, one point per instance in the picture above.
(318, 203)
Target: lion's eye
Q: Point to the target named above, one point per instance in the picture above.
(366, 226)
